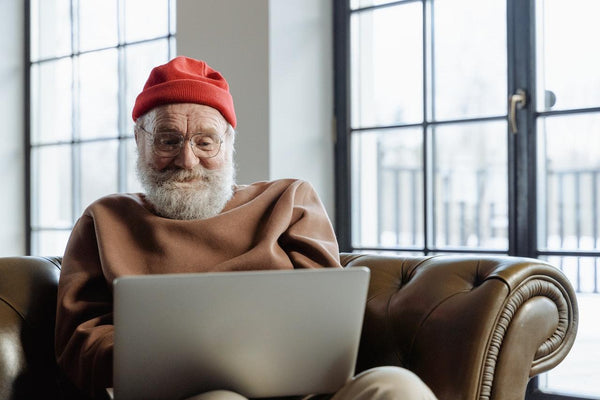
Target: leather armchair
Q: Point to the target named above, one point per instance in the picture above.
(471, 327)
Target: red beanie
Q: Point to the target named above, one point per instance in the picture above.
(185, 80)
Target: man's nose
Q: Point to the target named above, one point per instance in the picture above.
(186, 159)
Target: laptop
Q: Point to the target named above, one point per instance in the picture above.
(258, 333)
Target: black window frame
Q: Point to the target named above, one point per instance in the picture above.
(123, 134)
(522, 148)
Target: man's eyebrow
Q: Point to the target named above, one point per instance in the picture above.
(206, 128)
(166, 128)
(199, 128)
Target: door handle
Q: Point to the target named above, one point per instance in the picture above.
(517, 100)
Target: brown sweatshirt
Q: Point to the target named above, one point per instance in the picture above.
(266, 225)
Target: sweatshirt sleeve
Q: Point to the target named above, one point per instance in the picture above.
(310, 240)
(84, 319)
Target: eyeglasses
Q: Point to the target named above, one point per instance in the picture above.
(169, 144)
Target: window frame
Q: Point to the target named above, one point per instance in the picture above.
(522, 147)
(123, 135)
(342, 156)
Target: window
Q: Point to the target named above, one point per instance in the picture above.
(88, 61)
(427, 161)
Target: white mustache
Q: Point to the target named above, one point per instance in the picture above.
(171, 176)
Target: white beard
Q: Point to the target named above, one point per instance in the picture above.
(174, 196)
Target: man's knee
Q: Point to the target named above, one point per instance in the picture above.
(385, 383)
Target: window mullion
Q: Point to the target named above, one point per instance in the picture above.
(522, 151)
(75, 117)
(122, 124)
(122, 183)
(343, 221)
(27, 124)
(76, 144)
(429, 227)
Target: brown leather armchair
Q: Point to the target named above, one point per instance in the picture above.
(470, 327)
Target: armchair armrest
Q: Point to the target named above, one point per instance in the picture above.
(471, 327)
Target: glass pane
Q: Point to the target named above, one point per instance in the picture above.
(139, 61)
(173, 13)
(469, 59)
(97, 24)
(51, 186)
(99, 170)
(386, 66)
(49, 243)
(137, 15)
(98, 94)
(133, 184)
(579, 371)
(387, 185)
(51, 101)
(50, 28)
(367, 3)
(470, 185)
(568, 59)
(569, 179)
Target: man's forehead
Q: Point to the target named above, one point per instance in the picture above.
(186, 114)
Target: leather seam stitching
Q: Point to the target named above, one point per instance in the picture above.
(530, 289)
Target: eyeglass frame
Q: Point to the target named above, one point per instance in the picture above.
(182, 142)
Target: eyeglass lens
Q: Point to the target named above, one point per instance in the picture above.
(204, 145)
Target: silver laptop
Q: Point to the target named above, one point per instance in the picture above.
(259, 333)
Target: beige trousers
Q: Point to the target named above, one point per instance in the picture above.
(381, 383)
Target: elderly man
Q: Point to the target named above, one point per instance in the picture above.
(192, 218)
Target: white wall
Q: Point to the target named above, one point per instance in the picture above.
(232, 37)
(12, 164)
(277, 57)
(301, 93)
